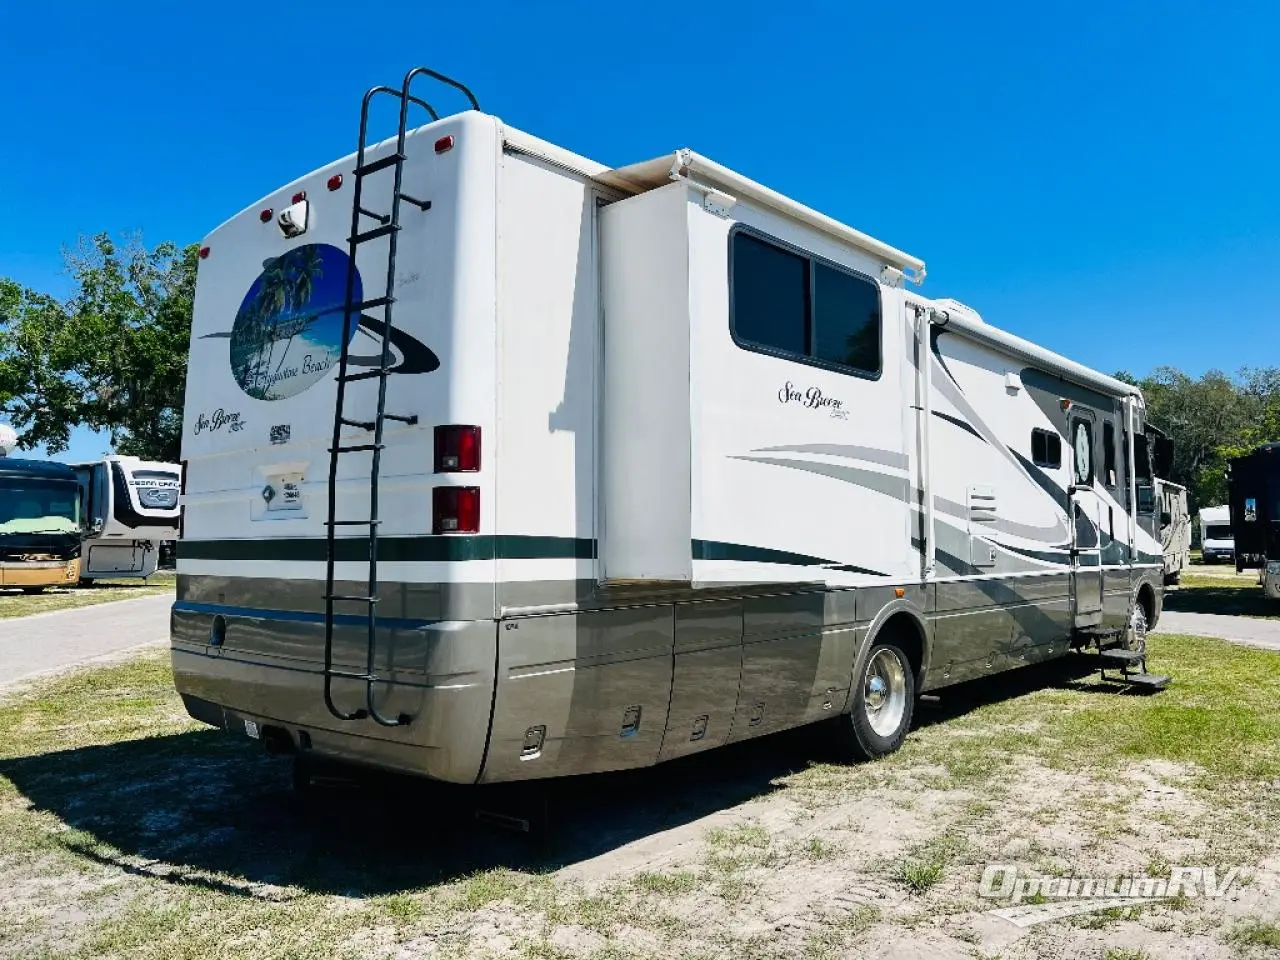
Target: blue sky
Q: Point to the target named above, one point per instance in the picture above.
(1101, 181)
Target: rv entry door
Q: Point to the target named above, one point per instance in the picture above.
(1085, 507)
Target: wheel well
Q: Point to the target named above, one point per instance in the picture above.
(1147, 598)
(904, 630)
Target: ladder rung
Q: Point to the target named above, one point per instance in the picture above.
(352, 523)
(411, 419)
(344, 675)
(423, 205)
(358, 447)
(373, 166)
(367, 374)
(341, 596)
(380, 217)
(372, 304)
(362, 424)
(375, 233)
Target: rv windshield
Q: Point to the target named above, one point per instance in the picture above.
(30, 505)
(1217, 533)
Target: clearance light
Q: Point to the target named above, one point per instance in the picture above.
(444, 144)
(266, 215)
(204, 253)
(455, 510)
(457, 449)
(182, 490)
(335, 181)
(299, 196)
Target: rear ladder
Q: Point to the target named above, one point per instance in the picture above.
(389, 227)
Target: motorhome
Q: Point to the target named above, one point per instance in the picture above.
(1216, 540)
(39, 521)
(130, 509)
(1254, 502)
(504, 464)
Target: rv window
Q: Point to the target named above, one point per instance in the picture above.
(770, 295)
(846, 319)
(782, 301)
(1216, 532)
(1142, 469)
(1108, 453)
(1082, 451)
(1046, 449)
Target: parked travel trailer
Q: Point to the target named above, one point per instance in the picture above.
(1254, 501)
(505, 464)
(39, 521)
(1174, 524)
(1216, 540)
(131, 507)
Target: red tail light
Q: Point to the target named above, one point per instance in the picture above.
(455, 510)
(457, 449)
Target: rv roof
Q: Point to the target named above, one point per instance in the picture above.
(686, 164)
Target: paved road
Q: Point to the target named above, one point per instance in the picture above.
(49, 642)
(1251, 631)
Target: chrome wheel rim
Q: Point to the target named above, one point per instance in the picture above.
(884, 693)
(1138, 630)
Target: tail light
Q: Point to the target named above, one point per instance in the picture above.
(455, 510)
(457, 449)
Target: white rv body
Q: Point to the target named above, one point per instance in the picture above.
(685, 539)
(1217, 543)
(130, 508)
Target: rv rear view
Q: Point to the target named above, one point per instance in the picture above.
(505, 464)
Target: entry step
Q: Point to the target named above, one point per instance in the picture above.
(1121, 655)
(1151, 681)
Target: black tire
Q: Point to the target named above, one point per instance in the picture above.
(32, 591)
(860, 738)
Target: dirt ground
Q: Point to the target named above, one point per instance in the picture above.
(127, 831)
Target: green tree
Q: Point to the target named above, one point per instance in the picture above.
(112, 356)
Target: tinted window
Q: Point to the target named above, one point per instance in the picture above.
(1109, 453)
(1142, 469)
(795, 304)
(846, 319)
(1046, 449)
(1217, 533)
(770, 295)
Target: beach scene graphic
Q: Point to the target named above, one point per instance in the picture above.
(287, 333)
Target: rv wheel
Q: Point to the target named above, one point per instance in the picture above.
(883, 697)
(32, 591)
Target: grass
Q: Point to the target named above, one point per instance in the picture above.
(162, 839)
(1255, 933)
(1241, 597)
(14, 603)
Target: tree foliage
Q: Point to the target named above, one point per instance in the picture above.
(112, 356)
(1210, 420)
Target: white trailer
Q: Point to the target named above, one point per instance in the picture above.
(1217, 543)
(505, 464)
(130, 508)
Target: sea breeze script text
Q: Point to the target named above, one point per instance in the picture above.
(217, 421)
(811, 398)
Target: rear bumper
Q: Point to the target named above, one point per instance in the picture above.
(43, 573)
(440, 674)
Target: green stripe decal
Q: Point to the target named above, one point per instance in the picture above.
(392, 549)
(718, 550)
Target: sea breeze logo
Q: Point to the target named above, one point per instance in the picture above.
(287, 333)
(812, 399)
(218, 420)
(1036, 899)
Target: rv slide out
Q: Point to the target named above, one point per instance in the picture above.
(130, 508)
(504, 464)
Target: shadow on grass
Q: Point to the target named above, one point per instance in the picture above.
(207, 809)
(1241, 599)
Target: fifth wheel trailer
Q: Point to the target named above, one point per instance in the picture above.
(1254, 501)
(506, 464)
